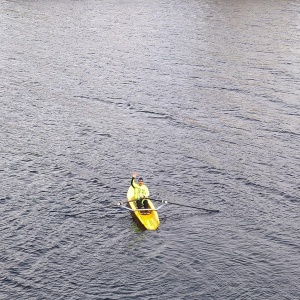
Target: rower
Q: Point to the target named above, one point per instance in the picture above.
(141, 192)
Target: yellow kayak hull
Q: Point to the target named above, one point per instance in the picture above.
(147, 218)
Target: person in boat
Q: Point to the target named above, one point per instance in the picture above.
(141, 192)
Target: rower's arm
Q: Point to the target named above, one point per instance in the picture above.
(133, 184)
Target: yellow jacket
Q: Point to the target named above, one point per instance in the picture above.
(140, 191)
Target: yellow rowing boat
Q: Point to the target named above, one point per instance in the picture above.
(148, 218)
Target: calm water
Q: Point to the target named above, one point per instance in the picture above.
(201, 98)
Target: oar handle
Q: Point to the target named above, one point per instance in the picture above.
(121, 202)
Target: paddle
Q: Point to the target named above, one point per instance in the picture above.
(173, 203)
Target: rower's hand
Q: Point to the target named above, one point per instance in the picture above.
(134, 175)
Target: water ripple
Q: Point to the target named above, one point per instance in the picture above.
(202, 99)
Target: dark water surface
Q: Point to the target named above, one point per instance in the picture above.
(201, 98)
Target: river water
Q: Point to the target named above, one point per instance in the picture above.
(201, 98)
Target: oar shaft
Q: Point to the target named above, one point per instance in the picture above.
(205, 209)
(184, 205)
(87, 211)
(83, 212)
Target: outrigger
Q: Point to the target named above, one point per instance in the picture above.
(148, 218)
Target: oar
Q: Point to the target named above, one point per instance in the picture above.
(83, 212)
(87, 211)
(205, 209)
(139, 209)
(123, 202)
